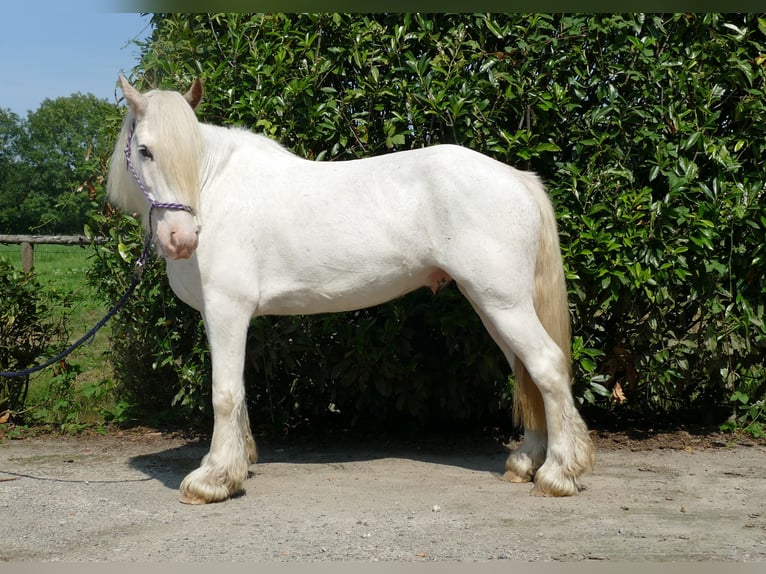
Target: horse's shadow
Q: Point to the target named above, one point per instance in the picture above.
(482, 454)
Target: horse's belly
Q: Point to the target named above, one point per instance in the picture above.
(346, 292)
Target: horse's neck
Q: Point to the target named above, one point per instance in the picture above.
(220, 140)
(217, 147)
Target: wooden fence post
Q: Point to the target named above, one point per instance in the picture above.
(27, 256)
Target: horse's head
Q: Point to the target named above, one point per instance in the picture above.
(155, 167)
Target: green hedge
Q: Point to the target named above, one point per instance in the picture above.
(649, 131)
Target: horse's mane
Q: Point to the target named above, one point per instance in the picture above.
(177, 142)
(120, 187)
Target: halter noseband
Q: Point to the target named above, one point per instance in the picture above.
(152, 202)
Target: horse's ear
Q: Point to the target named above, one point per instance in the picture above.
(194, 95)
(136, 100)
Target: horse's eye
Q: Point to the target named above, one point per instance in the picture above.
(145, 152)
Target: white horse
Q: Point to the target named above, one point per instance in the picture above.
(247, 228)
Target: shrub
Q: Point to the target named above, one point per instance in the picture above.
(32, 324)
(649, 130)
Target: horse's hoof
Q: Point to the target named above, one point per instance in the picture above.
(188, 496)
(511, 476)
(552, 481)
(539, 490)
(520, 467)
(188, 499)
(208, 484)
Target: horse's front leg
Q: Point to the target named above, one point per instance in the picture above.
(232, 448)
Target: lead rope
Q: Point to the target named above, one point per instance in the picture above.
(137, 271)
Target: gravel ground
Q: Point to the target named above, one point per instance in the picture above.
(661, 497)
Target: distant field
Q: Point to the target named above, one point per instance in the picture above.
(63, 268)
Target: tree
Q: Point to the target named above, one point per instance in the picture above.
(56, 156)
(12, 170)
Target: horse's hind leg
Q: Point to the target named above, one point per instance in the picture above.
(232, 448)
(529, 412)
(568, 451)
(523, 462)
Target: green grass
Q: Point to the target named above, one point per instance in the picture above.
(63, 268)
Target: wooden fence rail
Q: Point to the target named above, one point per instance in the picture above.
(28, 243)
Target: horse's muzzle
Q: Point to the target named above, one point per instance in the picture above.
(180, 246)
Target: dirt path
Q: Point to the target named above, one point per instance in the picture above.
(114, 498)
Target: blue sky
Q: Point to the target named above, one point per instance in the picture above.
(54, 48)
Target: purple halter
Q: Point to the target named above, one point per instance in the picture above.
(153, 202)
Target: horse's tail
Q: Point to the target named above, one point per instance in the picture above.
(551, 306)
